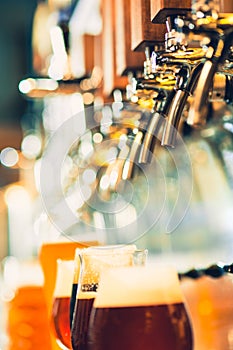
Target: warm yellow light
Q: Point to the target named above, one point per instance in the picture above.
(88, 98)
(15, 195)
(89, 176)
(9, 157)
(31, 146)
(97, 137)
(104, 182)
(25, 86)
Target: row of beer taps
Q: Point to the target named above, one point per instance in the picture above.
(174, 92)
(194, 67)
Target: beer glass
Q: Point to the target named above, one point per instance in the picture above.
(210, 303)
(25, 309)
(77, 267)
(139, 308)
(95, 260)
(60, 317)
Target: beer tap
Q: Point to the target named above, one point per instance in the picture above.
(197, 77)
(219, 40)
(186, 82)
(160, 78)
(199, 107)
(188, 63)
(191, 63)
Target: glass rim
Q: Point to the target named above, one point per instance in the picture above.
(109, 250)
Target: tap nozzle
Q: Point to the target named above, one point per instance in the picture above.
(150, 137)
(186, 82)
(216, 54)
(131, 160)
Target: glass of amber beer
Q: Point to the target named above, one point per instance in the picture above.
(60, 314)
(139, 308)
(95, 260)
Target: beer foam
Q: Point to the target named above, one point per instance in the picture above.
(152, 284)
(86, 295)
(64, 278)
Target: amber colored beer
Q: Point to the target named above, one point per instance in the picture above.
(139, 308)
(211, 308)
(61, 321)
(160, 327)
(27, 320)
(60, 315)
(48, 254)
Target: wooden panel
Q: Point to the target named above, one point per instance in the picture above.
(98, 51)
(143, 31)
(226, 6)
(111, 80)
(89, 53)
(126, 59)
(161, 9)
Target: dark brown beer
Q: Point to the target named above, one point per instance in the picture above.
(160, 327)
(61, 321)
(139, 308)
(81, 322)
(72, 302)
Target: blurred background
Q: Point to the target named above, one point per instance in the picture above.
(15, 63)
(61, 57)
(118, 63)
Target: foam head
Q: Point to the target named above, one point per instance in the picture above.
(152, 284)
(64, 278)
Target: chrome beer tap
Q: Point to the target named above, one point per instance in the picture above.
(186, 82)
(218, 38)
(187, 62)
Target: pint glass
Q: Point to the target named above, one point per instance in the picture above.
(139, 308)
(60, 317)
(95, 260)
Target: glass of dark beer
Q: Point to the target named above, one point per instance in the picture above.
(77, 267)
(60, 314)
(95, 260)
(139, 308)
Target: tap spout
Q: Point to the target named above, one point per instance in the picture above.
(131, 160)
(153, 128)
(216, 54)
(186, 82)
(198, 109)
(149, 140)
